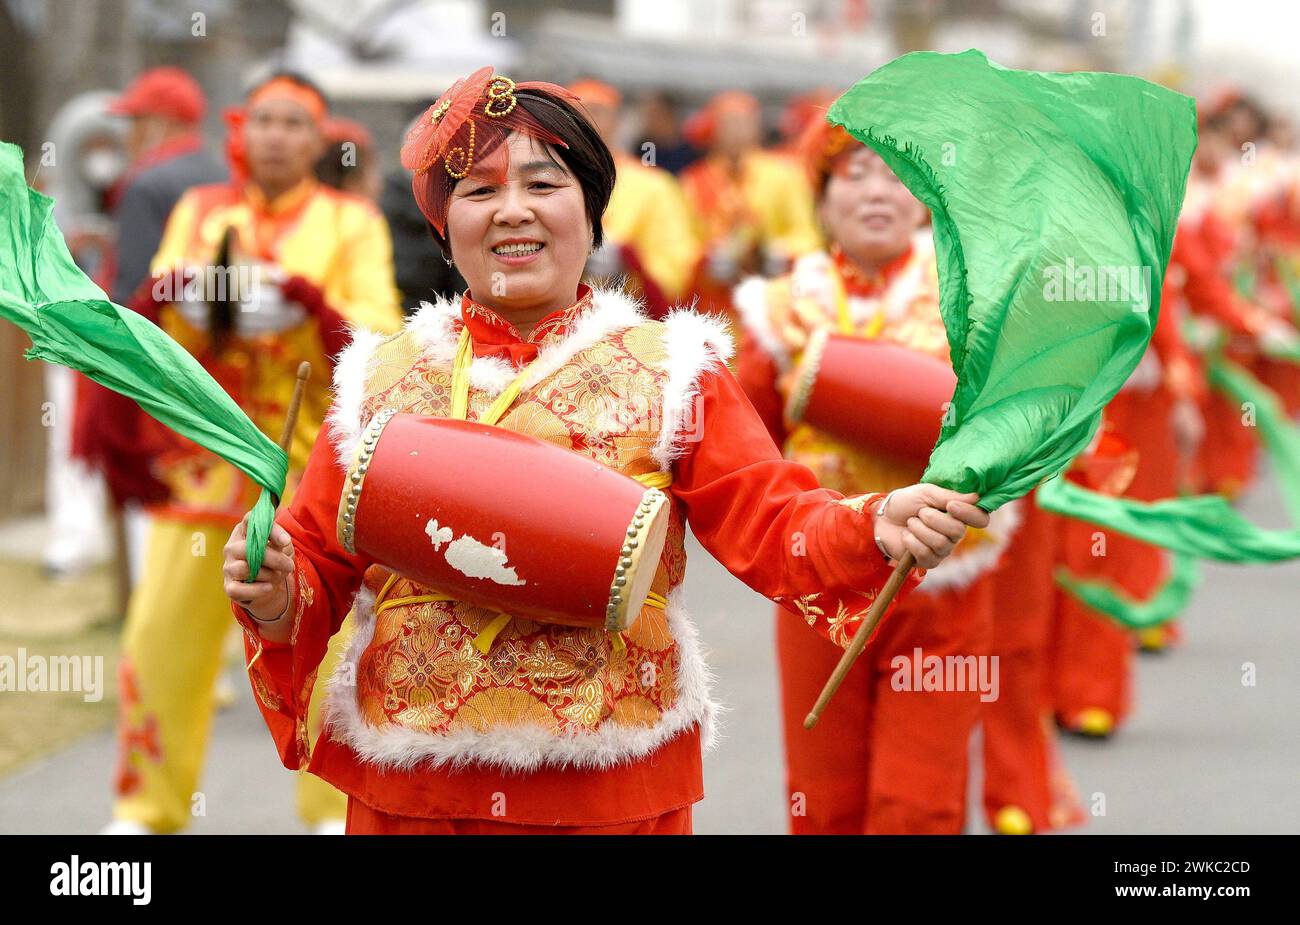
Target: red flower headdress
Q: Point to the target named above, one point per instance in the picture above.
(465, 130)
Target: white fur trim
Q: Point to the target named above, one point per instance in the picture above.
(959, 571)
(692, 343)
(433, 329)
(750, 299)
(612, 310)
(524, 747)
(351, 370)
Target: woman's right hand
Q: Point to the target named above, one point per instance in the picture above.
(266, 598)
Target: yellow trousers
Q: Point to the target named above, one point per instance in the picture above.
(171, 653)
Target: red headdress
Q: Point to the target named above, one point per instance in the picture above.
(820, 145)
(702, 127)
(464, 130)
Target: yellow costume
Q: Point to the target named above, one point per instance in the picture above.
(179, 615)
(648, 214)
(765, 204)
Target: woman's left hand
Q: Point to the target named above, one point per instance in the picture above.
(927, 521)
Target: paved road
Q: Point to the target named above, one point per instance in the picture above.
(1203, 754)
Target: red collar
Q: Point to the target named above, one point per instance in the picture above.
(860, 283)
(494, 336)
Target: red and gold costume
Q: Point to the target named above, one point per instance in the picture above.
(335, 253)
(1091, 681)
(881, 759)
(553, 726)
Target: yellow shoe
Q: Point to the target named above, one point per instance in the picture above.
(1153, 639)
(1094, 722)
(1012, 820)
(224, 694)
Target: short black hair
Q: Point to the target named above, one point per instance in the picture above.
(333, 168)
(587, 156)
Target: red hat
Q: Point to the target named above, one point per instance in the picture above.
(594, 92)
(338, 130)
(820, 146)
(701, 128)
(162, 91)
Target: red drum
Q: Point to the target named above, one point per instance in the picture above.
(503, 520)
(871, 393)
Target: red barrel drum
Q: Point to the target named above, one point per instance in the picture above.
(872, 393)
(503, 520)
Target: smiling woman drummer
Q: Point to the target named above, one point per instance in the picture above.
(523, 660)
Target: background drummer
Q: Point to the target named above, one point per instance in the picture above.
(887, 758)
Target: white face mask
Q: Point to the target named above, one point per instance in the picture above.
(101, 167)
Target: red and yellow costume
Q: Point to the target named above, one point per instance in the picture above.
(881, 759)
(751, 209)
(335, 251)
(553, 726)
(647, 219)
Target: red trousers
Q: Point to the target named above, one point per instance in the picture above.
(1283, 377)
(1092, 656)
(883, 760)
(362, 820)
(1227, 457)
(1020, 768)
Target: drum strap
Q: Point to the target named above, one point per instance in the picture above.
(488, 635)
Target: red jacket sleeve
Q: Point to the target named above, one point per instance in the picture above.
(769, 523)
(1182, 371)
(326, 579)
(757, 373)
(1208, 291)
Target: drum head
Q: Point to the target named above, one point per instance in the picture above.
(638, 561)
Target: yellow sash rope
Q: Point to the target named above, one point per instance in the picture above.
(845, 320)
(483, 641)
(460, 385)
(460, 411)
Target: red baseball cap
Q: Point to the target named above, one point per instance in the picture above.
(162, 91)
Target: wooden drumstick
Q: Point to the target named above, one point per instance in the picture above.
(859, 642)
(286, 435)
(291, 418)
